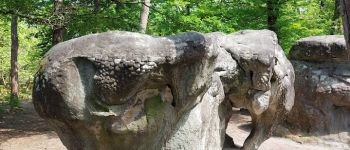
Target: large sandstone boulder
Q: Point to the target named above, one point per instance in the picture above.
(122, 90)
(322, 103)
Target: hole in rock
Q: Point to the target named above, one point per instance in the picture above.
(239, 126)
(251, 74)
(173, 103)
(171, 90)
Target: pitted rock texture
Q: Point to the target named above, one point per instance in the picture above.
(122, 90)
(322, 90)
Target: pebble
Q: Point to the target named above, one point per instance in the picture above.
(152, 63)
(117, 68)
(146, 67)
(117, 61)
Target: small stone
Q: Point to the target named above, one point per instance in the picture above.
(146, 67)
(117, 68)
(152, 63)
(91, 59)
(130, 63)
(127, 62)
(107, 66)
(131, 68)
(137, 60)
(137, 65)
(103, 81)
(117, 61)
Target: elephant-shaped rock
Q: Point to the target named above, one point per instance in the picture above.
(123, 90)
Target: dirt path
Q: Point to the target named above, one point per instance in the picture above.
(25, 130)
(240, 125)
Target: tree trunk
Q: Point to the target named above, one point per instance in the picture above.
(272, 14)
(144, 15)
(336, 16)
(188, 10)
(97, 6)
(58, 27)
(322, 4)
(345, 5)
(14, 64)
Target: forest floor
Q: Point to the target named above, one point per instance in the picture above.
(25, 130)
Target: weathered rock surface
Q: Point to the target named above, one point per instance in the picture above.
(122, 90)
(330, 48)
(322, 103)
(263, 82)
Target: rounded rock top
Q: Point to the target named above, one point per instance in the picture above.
(328, 48)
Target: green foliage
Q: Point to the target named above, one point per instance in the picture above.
(27, 60)
(300, 18)
(14, 101)
(154, 107)
(205, 16)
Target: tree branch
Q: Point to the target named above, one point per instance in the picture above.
(34, 18)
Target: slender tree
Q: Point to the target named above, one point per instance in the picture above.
(14, 63)
(144, 15)
(97, 5)
(345, 5)
(58, 27)
(336, 16)
(272, 14)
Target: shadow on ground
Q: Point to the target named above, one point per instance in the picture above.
(22, 123)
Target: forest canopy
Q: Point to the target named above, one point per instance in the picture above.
(44, 23)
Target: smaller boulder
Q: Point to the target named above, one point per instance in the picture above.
(322, 87)
(329, 48)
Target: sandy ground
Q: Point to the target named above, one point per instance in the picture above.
(240, 125)
(24, 130)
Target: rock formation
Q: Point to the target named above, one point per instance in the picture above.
(257, 76)
(322, 103)
(122, 90)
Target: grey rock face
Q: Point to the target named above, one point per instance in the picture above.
(330, 48)
(122, 90)
(258, 77)
(322, 88)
